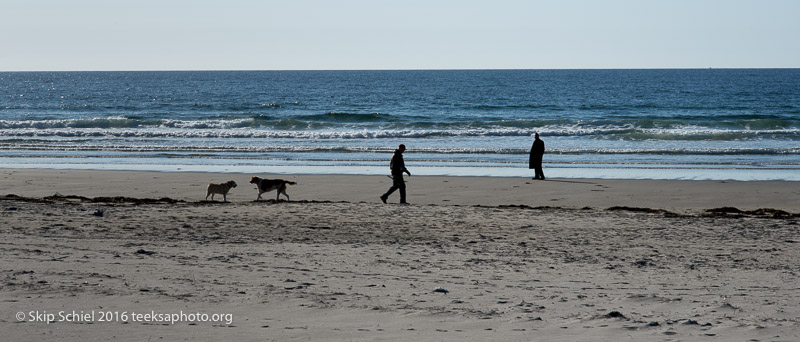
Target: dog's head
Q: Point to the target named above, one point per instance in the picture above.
(254, 180)
(231, 184)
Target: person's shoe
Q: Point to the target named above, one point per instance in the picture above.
(403, 202)
(383, 199)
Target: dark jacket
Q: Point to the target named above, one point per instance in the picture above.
(537, 151)
(397, 164)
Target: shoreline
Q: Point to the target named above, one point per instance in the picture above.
(661, 173)
(680, 196)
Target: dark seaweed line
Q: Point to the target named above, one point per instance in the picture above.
(729, 212)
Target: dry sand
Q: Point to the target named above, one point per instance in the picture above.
(505, 259)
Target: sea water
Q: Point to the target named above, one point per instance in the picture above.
(738, 124)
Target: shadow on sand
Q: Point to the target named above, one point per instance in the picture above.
(567, 181)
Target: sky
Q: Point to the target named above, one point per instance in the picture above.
(44, 35)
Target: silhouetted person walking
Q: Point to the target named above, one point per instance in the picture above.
(398, 166)
(535, 161)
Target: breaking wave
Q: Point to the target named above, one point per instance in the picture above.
(385, 126)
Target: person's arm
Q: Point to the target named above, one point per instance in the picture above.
(404, 168)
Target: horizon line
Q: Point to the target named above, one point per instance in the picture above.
(409, 69)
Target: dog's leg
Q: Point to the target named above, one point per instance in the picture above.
(281, 189)
(224, 197)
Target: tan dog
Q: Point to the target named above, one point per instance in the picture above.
(221, 189)
(267, 185)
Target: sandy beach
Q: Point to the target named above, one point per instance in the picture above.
(472, 258)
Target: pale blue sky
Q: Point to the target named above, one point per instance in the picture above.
(408, 34)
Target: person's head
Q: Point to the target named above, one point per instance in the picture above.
(536, 135)
(401, 147)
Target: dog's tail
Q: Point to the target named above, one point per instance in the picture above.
(291, 183)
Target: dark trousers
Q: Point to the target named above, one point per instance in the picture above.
(397, 183)
(538, 172)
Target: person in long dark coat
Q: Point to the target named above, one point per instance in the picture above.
(535, 161)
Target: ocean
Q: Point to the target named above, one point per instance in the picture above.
(698, 124)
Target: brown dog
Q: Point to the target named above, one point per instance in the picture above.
(221, 189)
(267, 185)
